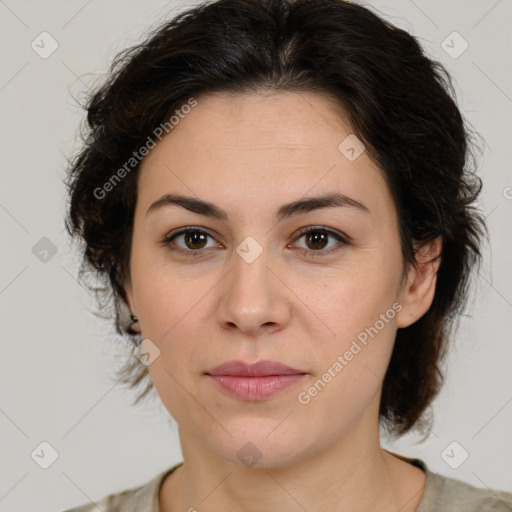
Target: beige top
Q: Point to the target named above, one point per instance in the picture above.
(441, 494)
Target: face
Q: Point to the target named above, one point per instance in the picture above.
(317, 289)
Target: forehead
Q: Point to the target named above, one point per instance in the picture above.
(254, 148)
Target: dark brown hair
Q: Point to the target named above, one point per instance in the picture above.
(399, 103)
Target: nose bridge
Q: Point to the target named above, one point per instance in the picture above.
(251, 268)
(253, 295)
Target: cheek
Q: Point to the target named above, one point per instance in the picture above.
(176, 369)
(360, 310)
(350, 371)
(167, 296)
(350, 302)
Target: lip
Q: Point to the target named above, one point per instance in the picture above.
(255, 381)
(263, 368)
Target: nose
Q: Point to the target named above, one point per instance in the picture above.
(253, 298)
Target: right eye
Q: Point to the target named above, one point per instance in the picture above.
(194, 240)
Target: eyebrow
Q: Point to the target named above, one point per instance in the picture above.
(299, 207)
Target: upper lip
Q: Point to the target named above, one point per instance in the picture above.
(258, 369)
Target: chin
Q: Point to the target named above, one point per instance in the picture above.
(261, 445)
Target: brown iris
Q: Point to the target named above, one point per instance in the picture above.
(313, 238)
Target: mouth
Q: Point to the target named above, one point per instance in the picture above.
(255, 381)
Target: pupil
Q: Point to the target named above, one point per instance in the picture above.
(194, 237)
(316, 238)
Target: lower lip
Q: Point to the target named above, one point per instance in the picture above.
(256, 388)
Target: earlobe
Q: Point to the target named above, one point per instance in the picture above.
(418, 294)
(129, 296)
(133, 327)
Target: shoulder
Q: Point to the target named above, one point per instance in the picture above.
(111, 503)
(143, 498)
(445, 494)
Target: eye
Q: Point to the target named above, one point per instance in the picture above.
(193, 239)
(317, 238)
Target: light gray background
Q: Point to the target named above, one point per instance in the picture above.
(57, 357)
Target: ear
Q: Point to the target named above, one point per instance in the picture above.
(417, 294)
(129, 295)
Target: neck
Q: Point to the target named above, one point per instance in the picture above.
(354, 475)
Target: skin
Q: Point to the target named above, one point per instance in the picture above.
(249, 154)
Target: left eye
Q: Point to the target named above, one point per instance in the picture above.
(195, 240)
(317, 239)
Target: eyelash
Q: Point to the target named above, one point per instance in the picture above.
(304, 231)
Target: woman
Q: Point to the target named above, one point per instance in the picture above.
(281, 195)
